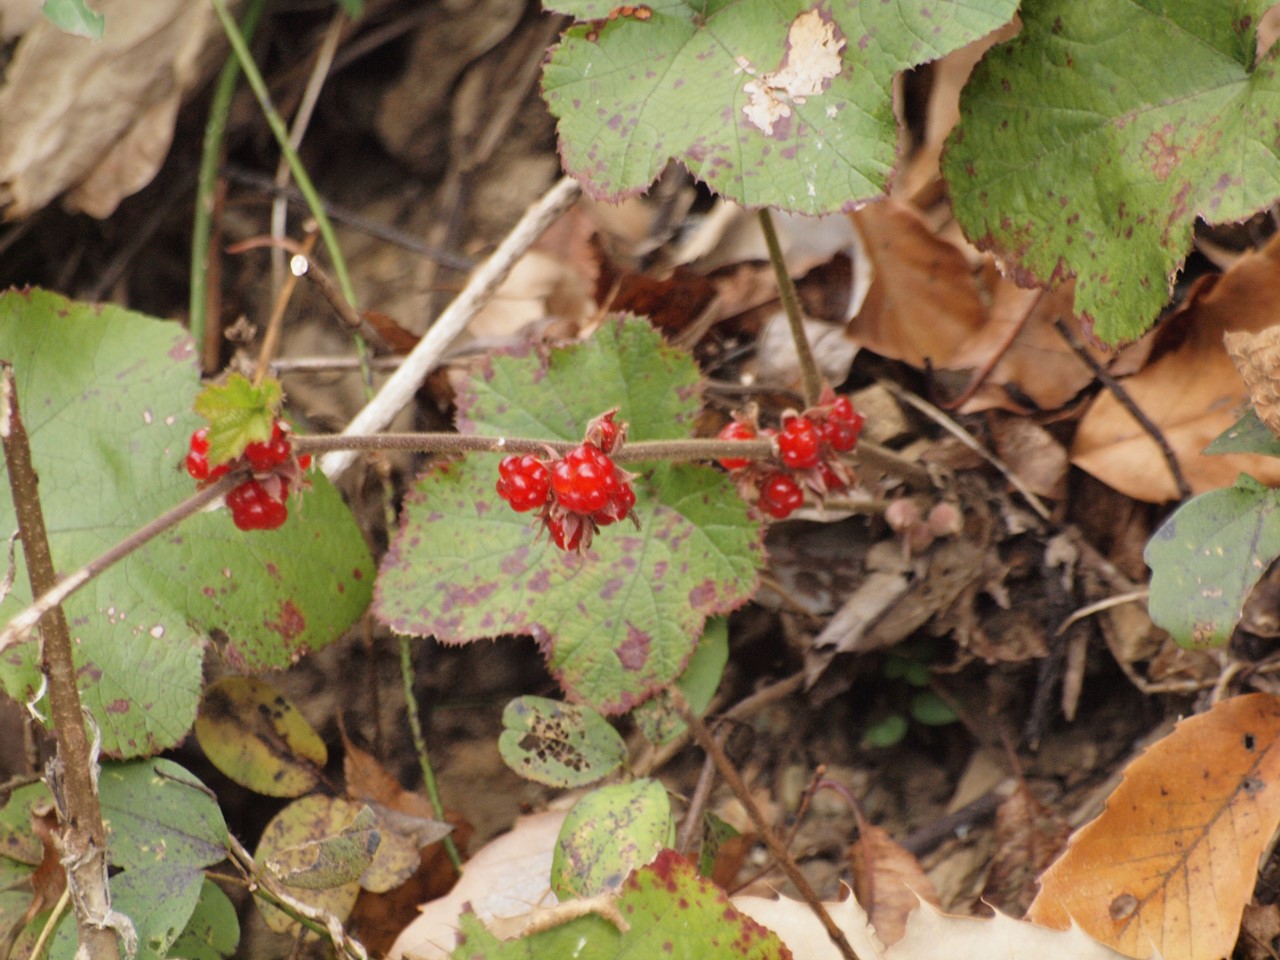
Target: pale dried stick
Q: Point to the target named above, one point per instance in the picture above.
(484, 282)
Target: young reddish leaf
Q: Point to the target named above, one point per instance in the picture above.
(1074, 157)
(1172, 861)
(784, 104)
(620, 621)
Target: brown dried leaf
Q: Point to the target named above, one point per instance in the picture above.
(1192, 393)
(1172, 861)
(1028, 837)
(888, 882)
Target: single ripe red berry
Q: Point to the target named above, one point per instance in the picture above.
(736, 430)
(800, 443)
(557, 527)
(831, 480)
(304, 461)
(609, 431)
(780, 496)
(197, 461)
(585, 480)
(253, 508)
(618, 508)
(843, 426)
(523, 481)
(265, 457)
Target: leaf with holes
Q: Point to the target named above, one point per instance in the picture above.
(106, 395)
(619, 622)
(1208, 556)
(559, 744)
(784, 104)
(1089, 144)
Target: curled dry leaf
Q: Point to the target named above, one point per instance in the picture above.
(889, 881)
(1172, 861)
(1192, 393)
(1257, 357)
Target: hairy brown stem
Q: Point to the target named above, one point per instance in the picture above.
(73, 774)
(791, 306)
(726, 769)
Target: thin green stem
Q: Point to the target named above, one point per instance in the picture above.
(791, 305)
(300, 175)
(215, 129)
(420, 745)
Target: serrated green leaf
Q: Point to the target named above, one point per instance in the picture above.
(621, 621)
(213, 931)
(75, 17)
(106, 395)
(657, 718)
(1090, 143)
(251, 733)
(669, 911)
(785, 104)
(559, 744)
(1206, 559)
(608, 833)
(239, 413)
(1246, 435)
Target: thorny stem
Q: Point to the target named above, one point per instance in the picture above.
(791, 306)
(420, 745)
(712, 749)
(73, 774)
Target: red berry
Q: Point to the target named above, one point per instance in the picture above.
(780, 496)
(557, 527)
(619, 506)
(523, 481)
(304, 461)
(585, 480)
(736, 430)
(253, 508)
(265, 457)
(843, 426)
(609, 431)
(197, 461)
(831, 480)
(800, 443)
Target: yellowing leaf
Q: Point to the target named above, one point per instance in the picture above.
(1171, 862)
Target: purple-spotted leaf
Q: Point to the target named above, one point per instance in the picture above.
(608, 833)
(1089, 144)
(107, 397)
(619, 622)
(785, 104)
(667, 911)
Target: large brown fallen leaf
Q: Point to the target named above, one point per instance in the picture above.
(1172, 861)
(1192, 393)
(889, 880)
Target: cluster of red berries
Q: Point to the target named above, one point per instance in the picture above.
(260, 502)
(576, 494)
(809, 446)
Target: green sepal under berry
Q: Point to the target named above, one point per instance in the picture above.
(239, 414)
(620, 621)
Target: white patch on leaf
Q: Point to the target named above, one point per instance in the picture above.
(811, 62)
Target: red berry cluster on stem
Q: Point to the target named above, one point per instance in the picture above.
(260, 502)
(577, 494)
(809, 446)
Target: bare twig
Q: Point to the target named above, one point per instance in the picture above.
(1126, 401)
(401, 386)
(709, 746)
(275, 323)
(73, 773)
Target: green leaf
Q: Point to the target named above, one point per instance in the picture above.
(338, 859)
(75, 17)
(287, 844)
(239, 414)
(931, 710)
(559, 744)
(1246, 435)
(106, 395)
(716, 832)
(621, 621)
(657, 718)
(1206, 559)
(669, 910)
(251, 733)
(607, 834)
(886, 733)
(213, 931)
(163, 829)
(784, 104)
(1089, 144)
(352, 8)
